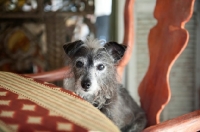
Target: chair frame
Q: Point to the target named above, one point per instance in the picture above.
(156, 80)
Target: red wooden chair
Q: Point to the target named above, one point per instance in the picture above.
(166, 42)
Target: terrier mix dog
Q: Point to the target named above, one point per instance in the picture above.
(95, 80)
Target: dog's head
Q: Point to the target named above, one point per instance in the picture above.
(94, 66)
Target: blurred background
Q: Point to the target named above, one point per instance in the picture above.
(32, 33)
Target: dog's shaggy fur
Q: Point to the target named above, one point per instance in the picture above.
(95, 80)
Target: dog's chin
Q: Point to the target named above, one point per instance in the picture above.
(83, 92)
(88, 94)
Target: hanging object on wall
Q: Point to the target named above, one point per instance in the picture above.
(21, 51)
(69, 6)
(18, 5)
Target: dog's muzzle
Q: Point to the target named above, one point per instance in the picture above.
(86, 83)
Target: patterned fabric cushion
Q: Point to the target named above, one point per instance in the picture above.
(35, 106)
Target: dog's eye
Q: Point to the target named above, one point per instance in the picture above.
(79, 64)
(100, 67)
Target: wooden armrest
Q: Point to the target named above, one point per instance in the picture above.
(54, 75)
(186, 123)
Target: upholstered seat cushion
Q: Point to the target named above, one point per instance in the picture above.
(30, 105)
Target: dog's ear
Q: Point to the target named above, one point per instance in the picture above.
(72, 48)
(115, 50)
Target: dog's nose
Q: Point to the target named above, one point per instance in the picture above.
(86, 84)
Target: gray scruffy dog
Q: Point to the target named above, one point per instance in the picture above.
(95, 80)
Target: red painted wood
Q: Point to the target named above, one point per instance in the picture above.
(186, 123)
(128, 35)
(54, 75)
(166, 41)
